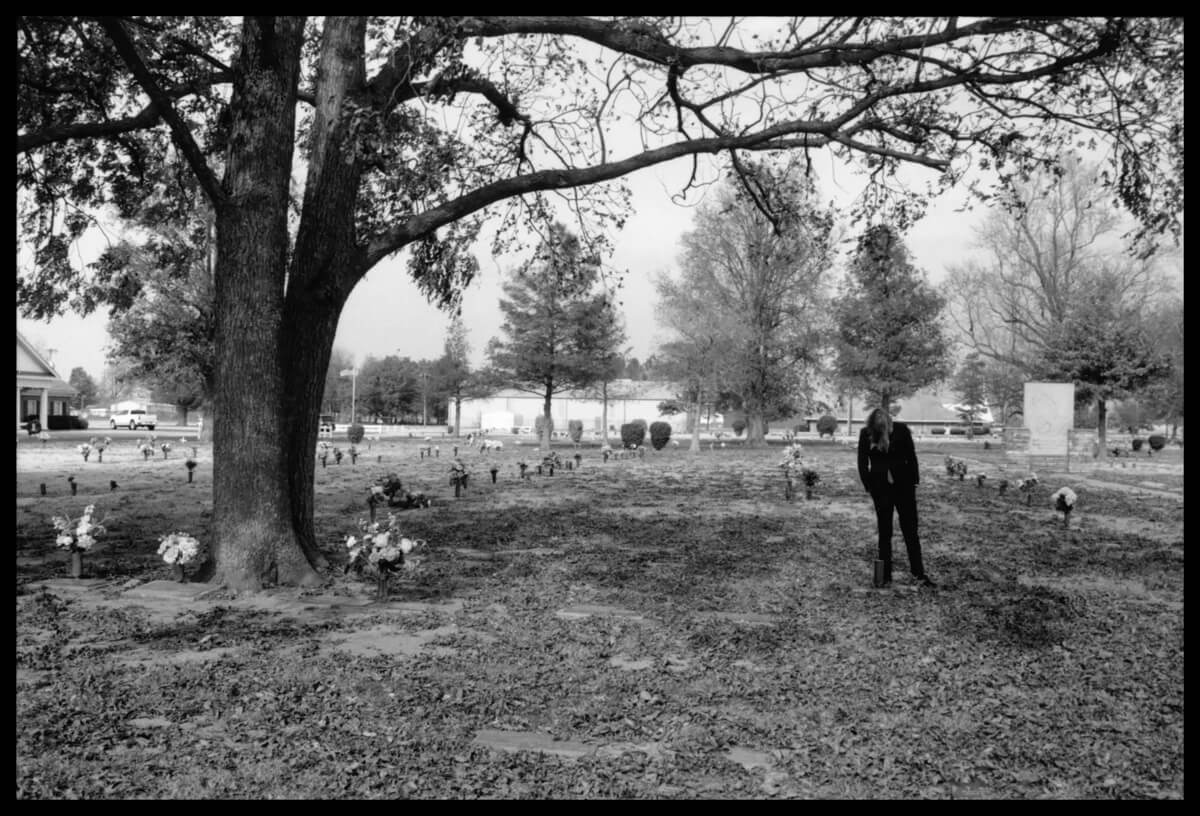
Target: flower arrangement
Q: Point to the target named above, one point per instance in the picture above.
(956, 467)
(77, 536)
(382, 546)
(353, 451)
(1003, 485)
(179, 548)
(84, 449)
(551, 461)
(810, 477)
(606, 451)
(524, 466)
(323, 452)
(458, 476)
(190, 464)
(979, 479)
(99, 445)
(1064, 502)
(146, 450)
(166, 448)
(337, 456)
(1027, 486)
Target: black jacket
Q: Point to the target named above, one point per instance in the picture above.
(901, 460)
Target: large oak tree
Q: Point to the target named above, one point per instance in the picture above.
(403, 132)
(760, 281)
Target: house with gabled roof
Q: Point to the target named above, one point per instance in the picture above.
(41, 393)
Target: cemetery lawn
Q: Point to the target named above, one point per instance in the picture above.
(668, 627)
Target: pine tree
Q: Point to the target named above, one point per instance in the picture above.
(890, 340)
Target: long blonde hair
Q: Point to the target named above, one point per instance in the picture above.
(879, 423)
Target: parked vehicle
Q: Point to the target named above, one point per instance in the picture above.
(133, 419)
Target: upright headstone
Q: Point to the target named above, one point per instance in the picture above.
(1049, 419)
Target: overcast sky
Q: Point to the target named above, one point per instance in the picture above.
(387, 315)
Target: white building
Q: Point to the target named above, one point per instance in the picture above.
(627, 400)
(41, 393)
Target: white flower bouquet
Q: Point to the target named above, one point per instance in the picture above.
(1064, 502)
(80, 535)
(179, 548)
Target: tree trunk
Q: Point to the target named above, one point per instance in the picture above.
(457, 414)
(184, 409)
(695, 446)
(253, 539)
(604, 412)
(1102, 423)
(755, 428)
(324, 268)
(546, 422)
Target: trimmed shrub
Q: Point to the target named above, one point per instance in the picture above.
(957, 430)
(355, 433)
(1137, 443)
(827, 424)
(937, 430)
(660, 434)
(633, 434)
(65, 422)
(575, 430)
(1157, 442)
(539, 425)
(739, 425)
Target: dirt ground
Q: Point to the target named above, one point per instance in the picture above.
(667, 627)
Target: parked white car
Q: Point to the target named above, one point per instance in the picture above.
(133, 419)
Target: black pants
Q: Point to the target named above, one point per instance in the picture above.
(904, 501)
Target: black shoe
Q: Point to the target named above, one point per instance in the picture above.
(925, 581)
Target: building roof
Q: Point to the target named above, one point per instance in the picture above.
(35, 371)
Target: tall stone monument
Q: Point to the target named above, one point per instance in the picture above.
(1049, 420)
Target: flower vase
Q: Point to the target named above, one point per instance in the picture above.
(787, 490)
(493, 472)
(457, 488)
(371, 507)
(189, 477)
(1028, 499)
(74, 488)
(1067, 519)
(381, 589)
(76, 564)
(177, 573)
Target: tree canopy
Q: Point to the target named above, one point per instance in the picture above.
(559, 333)
(758, 284)
(890, 341)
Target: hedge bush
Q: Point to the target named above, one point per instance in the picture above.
(660, 434)
(827, 424)
(739, 425)
(65, 422)
(633, 434)
(575, 430)
(355, 433)
(1157, 442)
(539, 425)
(1138, 442)
(937, 430)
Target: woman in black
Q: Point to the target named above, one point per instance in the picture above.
(887, 464)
